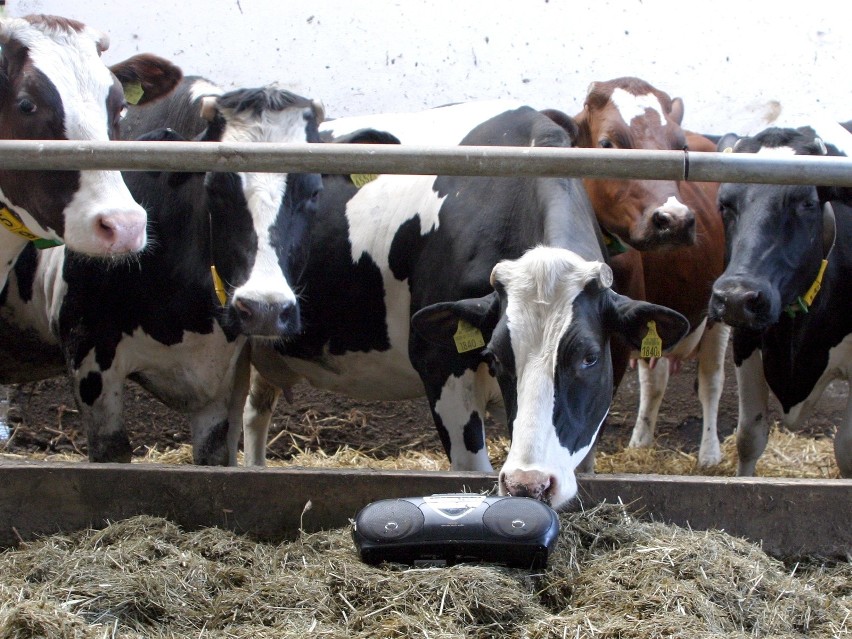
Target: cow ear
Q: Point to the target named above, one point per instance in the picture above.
(146, 77)
(441, 323)
(727, 143)
(566, 122)
(676, 113)
(631, 318)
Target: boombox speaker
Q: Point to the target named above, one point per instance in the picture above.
(441, 530)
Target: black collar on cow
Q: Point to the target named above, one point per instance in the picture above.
(804, 302)
(13, 223)
(614, 245)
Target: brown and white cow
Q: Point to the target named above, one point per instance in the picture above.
(678, 237)
(55, 86)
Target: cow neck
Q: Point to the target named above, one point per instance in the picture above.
(804, 302)
(613, 243)
(218, 285)
(12, 222)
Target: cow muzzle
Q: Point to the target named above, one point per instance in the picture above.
(671, 224)
(743, 305)
(528, 483)
(260, 318)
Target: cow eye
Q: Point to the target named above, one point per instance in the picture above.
(27, 106)
(590, 360)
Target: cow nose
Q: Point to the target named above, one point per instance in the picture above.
(528, 483)
(121, 231)
(268, 319)
(742, 307)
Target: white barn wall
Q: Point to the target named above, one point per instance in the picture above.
(392, 55)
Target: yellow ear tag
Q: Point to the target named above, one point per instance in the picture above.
(360, 179)
(467, 337)
(814, 289)
(133, 92)
(218, 286)
(652, 345)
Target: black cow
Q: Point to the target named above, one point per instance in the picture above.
(55, 86)
(161, 320)
(504, 282)
(786, 290)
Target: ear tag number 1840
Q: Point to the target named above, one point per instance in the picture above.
(652, 345)
(467, 337)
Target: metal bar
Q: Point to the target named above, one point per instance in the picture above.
(423, 160)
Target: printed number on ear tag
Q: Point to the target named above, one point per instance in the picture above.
(652, 345)
(467, 337)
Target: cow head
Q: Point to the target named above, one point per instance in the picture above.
(54, 86)
(628, 113)
(776, 237)
(550, 320)
(259, 220)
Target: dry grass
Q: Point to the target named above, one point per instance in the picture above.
(611, 576)
(787, 455)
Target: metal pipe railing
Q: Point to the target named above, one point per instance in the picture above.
(425, 160)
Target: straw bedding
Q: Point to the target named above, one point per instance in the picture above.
(611, 576)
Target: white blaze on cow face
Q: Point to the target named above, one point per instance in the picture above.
(264, 193)
(634, 106)
(540, 289)
(102, 217)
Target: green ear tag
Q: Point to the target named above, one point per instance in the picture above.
(652, 345)
(360, 179)
(467, 337)
(133, 92)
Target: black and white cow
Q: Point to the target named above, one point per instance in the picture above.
(159, 320)
(483, 293)
(54, 86)
(785, 291)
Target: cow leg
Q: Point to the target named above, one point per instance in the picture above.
(458, 408)
(257, 416)
(209, 427)
(100, 398)
(652, 388)
(711, 378)
(843, 442)
(752, 424)
(237, 402)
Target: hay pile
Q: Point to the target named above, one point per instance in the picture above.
(611, 576)
(787, 455)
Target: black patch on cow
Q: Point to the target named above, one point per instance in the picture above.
(342, 303)
(261, 99)
(25, 273)
(403, 248)
(443, 433)
(474, 437)
(582, 390)
(91, 387)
